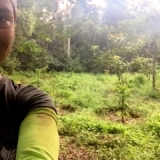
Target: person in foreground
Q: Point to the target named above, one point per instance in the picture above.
(28, 124)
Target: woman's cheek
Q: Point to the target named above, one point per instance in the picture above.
(6, 42)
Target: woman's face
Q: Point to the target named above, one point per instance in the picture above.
(7, 28)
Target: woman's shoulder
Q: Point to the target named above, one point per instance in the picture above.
(24, 96)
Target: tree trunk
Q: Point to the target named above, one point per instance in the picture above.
(69, 48)
(123, 103)
(69, 41)
(122, 113)
(154, 72)
(154, 52)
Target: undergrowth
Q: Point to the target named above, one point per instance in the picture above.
(88, 114)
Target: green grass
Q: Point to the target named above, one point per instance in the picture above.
(90, 119)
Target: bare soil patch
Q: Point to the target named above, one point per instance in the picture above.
(117, 118)
(70, 151)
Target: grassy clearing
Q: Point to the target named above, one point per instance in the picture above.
(90, 119)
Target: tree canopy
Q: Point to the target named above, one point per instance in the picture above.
(95, 34)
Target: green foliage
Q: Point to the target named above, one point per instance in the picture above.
(155, 94)
(122, 89)
(153, 125)
(114, 64)
(142, 65)
(72, 125)
(26, 23)
(68, 107)
(97, 44)
(26, 20)
(139, 80)
(74, 66)
(2, 71)
(11, 64)
(29, 46)
(118, 65)
(31, 55)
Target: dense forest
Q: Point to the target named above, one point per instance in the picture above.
(79, 36)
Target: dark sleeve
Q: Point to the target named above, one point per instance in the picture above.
(20, 100)
(29, 97)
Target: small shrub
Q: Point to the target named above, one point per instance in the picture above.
(63, 94)
(68, 107)
(102, 111)
(155, 94)
(73, 124)
(98, 140)
(130, 111)
(139, 80)
(2, 71)
(153, 125)
(11, 64)
(36, 82)
(74, 66)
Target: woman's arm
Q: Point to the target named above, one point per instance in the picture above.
(38, 136)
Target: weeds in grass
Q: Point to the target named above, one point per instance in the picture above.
(87, 99)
